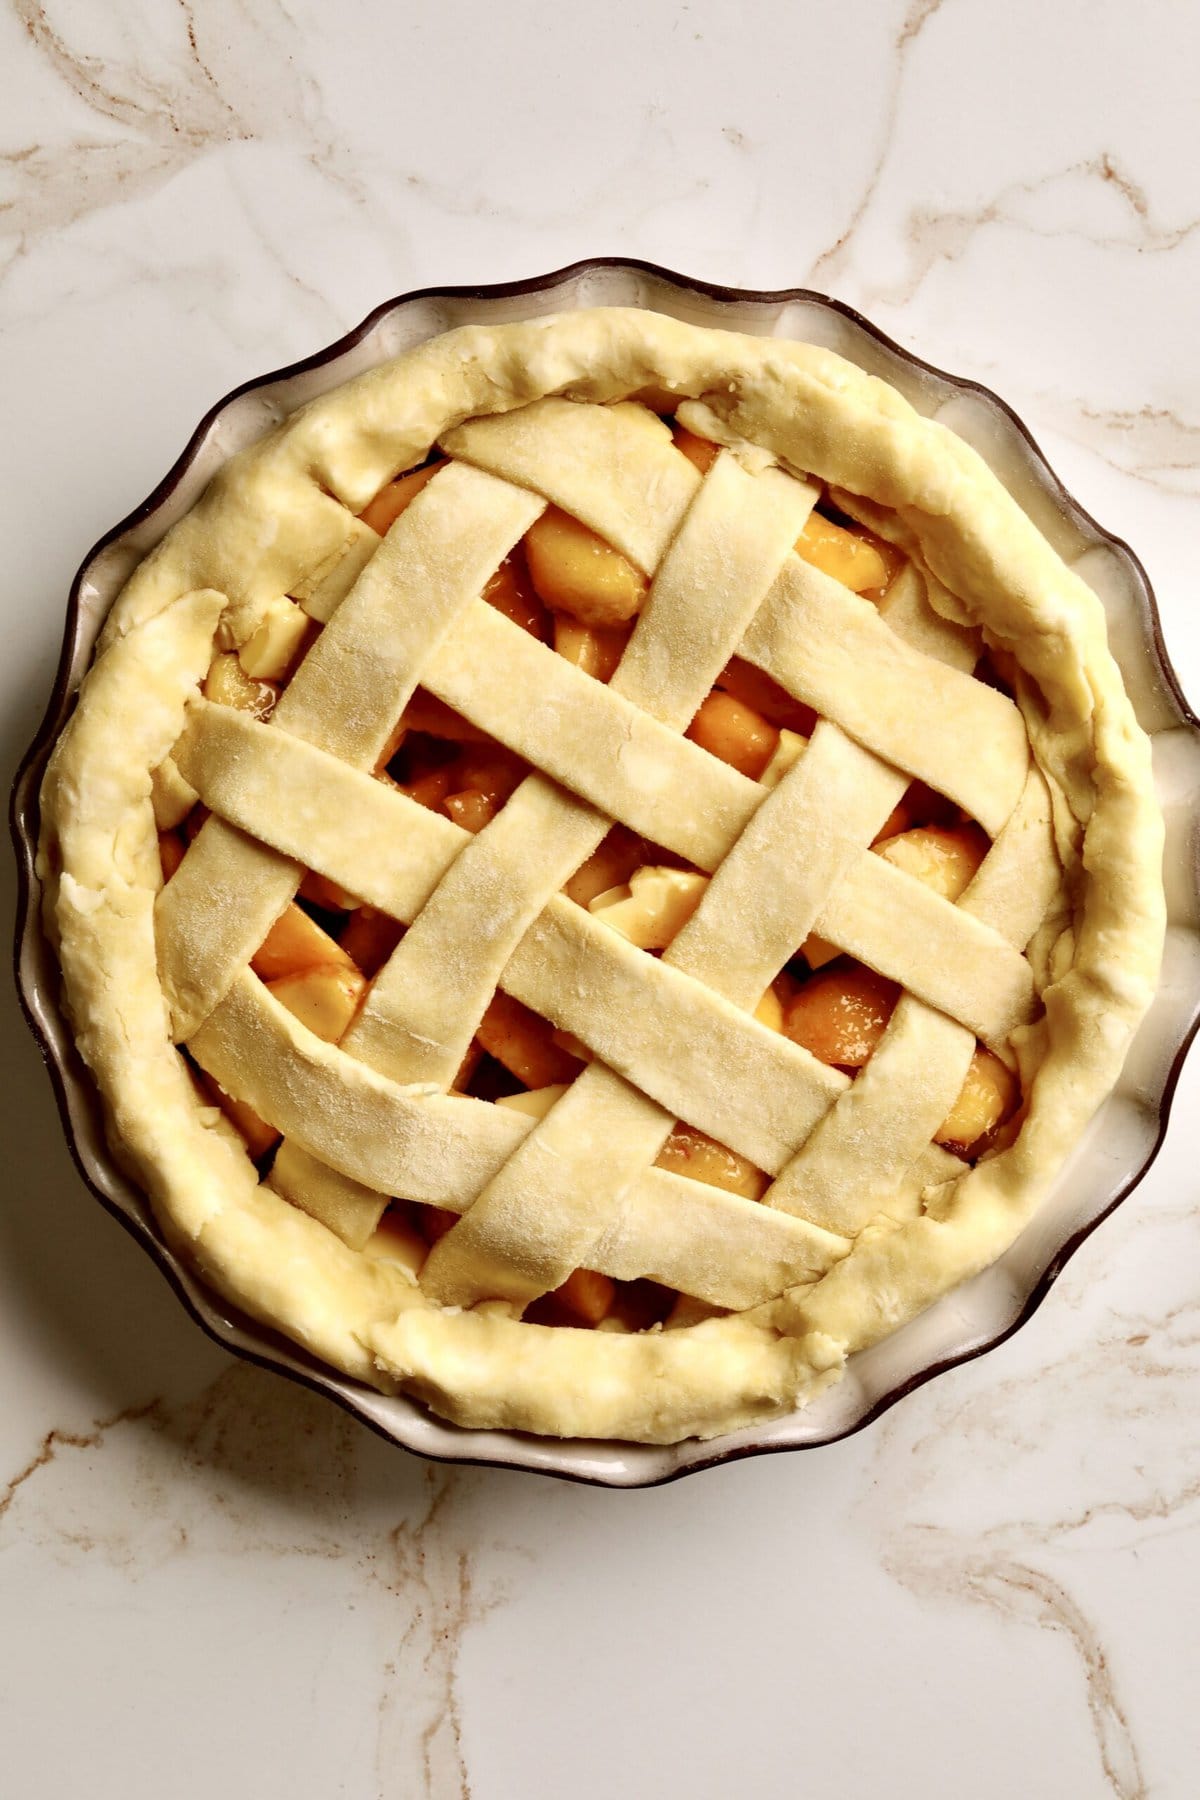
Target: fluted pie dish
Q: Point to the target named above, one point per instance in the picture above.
(602, 867)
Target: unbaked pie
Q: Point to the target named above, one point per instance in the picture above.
(602, 867)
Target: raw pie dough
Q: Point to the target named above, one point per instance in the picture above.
(1050, 957)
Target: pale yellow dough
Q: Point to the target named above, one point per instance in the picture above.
(865, 1221)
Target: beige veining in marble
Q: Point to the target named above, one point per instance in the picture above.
(228, 77)
(990, 1591)
(933, 237)
(1152, 443)
(832, 263)
(1039, 1502)
(252, 1467)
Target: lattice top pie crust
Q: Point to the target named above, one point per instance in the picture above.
(1050, 956)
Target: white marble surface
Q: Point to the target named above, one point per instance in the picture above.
(211, 1581)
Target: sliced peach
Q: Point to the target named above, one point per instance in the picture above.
(228, 684)
(918, 805)
(494, 771)
(593, 648)
(325, 999)
(511, 592)
(535, 1103)
(754, 688)
(653, 907)
(425, 712)
(987, 1097)
(700, 452)
(621, 852)
(575, 571)
(270, 651)
(256, 1134)
(943, 857)
(691, 1152)
(892, 558)
(854, 558)
(431, 788)
(370, 937)
(586, 1295)
(524, 1043)
(171, 852)
(382, 512)
(471, 808)
(729, 729)
(327, 894)
(296, 942)
(903, 817)
(769, 1011)
(841, 1014)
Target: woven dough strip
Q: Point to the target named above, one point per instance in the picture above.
(443, 1149)
(346, 697)
(815, 414)
(375, 1035)
(559, 1190)
(378, 1032)
(425, 1006)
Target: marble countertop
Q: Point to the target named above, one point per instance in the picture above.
(212, 1581)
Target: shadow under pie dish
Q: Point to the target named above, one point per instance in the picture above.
(600, 869)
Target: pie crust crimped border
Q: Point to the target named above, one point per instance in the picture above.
(810, 412)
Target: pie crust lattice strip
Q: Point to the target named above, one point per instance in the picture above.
(1046, 958)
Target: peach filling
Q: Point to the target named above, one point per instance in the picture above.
(572, 590)
(857, 558)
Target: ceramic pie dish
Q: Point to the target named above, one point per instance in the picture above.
(872, 1055)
